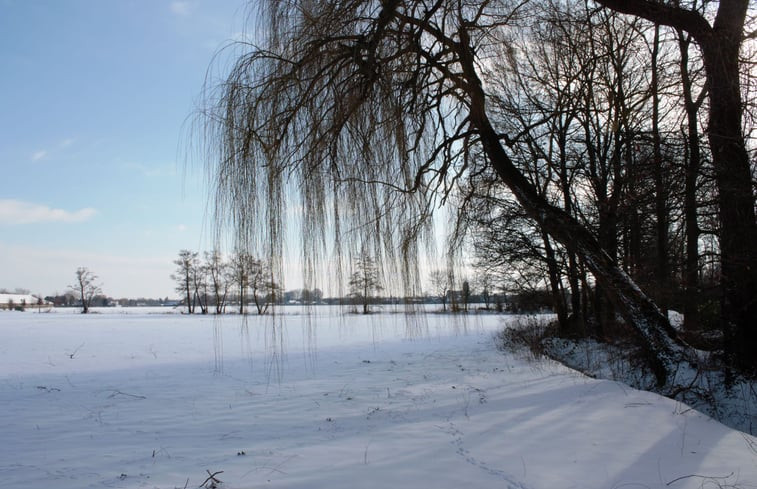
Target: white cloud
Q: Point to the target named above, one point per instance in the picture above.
(19, 212)
(38, 155)
(180, 8)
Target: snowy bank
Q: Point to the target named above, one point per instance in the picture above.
(151, 400)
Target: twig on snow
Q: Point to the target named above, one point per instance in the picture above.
(212, 480)
(700, 476)
(72, 355)
(119, 393)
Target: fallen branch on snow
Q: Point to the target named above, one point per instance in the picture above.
(700, 476)
(211, 482)
(119, 393)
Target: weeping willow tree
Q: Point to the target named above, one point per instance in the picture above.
(363, 117)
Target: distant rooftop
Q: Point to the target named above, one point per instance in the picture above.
(18, 299)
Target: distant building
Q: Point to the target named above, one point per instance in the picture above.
(26, 301)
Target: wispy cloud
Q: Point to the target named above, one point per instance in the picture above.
(19, 212)
(43, 154)
(180, 8)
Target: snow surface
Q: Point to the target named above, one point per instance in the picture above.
(20, 299)
(136, 398)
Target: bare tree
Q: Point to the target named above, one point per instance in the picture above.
(263, 287)
(376, 110)
(577, 92)
(440, 284)
(720, 43)
(184, 276)
(218, 273)
(200, 286)
(692, 103)
(239, 272)
(365, 281)
(485, 283)
(465, 295)
(85, 287)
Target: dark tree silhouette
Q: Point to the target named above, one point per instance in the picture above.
(263, 287)
(440, 285)
(218, 273)
(85, 287)
(364, 282)
(240, 271)
(721, 44)
(185, 275)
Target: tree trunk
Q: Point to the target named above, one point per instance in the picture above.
(662, 268)
(691, 317)
(84, 304)
(188, 290)
(738, 236)
(554, 284)
(608, 242)
(242, 287)
(577, 323)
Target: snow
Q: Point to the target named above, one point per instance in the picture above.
(19, 299)
(133, 398)
(733, 402)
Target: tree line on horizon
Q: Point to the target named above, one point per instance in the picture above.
(210, 282)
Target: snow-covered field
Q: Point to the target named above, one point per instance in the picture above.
(139, 398)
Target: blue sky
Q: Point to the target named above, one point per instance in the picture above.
(94, 99)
